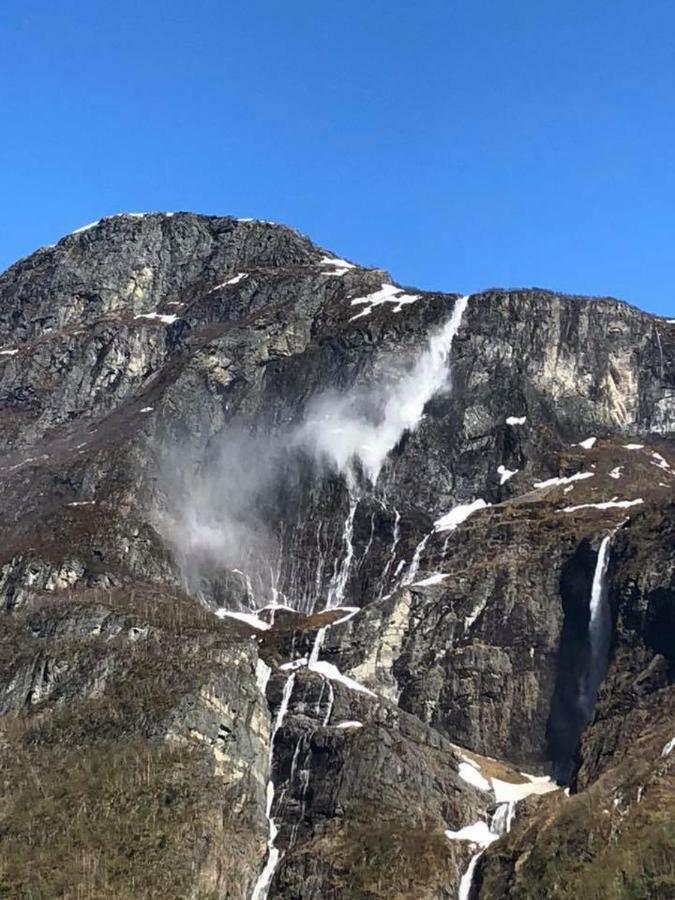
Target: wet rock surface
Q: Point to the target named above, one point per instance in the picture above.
(197, 420)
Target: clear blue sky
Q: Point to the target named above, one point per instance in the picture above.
(460, 145)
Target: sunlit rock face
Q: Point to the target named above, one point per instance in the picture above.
(319, 565)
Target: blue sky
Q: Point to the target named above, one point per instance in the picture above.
(460, 145)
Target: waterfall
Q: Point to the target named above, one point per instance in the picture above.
(467, 878)
(599, 631)
(262, 885)
(415, 564)
(503, 818)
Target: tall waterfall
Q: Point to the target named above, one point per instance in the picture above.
(599, 631)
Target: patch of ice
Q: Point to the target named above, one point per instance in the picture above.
(506, 791)
(167, 320)
(352, 723)
(608, 504)
(8, 352)
(328, 670)
(668, 749)
(459, 514)
(249, 618)
(616, 472)
(516, 420)
(551, 482)
(469, 773)
(432, 579)
(634, 446)
(588, 444)
(478, 833)
(506, 473)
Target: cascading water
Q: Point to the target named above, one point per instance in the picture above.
(599, 631)
(369, 444)
(262, 885)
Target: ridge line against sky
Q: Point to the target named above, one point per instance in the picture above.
(456, 144)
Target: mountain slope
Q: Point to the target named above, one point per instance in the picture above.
(458, 513)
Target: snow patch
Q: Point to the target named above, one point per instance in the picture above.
(506, 473)
(459, 514)
(556, 482)
(469, 773)
(249, 618)
(328, 670)
(616, 472)
(659, 461)
(507, 792)
(388, 293)
(8, 352)
(516, 420)
(432, 579)
(147, 409)
(633, 446)
(351, 723)
(234, 280)
(478, 833)
(668, 749)
(608, 504)
(167, 320)
(588, 444)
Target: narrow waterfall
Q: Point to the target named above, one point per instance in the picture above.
(599, 631)
(262, 885)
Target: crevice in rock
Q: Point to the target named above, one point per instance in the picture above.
(567, 717)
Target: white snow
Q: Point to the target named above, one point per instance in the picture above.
(81, 503)
(551, 482)
(516, 420)
(459, 514)
(634, 446)
(668, 749)
(432, 579)
(506, 791)
(328, 670)
(147, 409)
(294, 664)
(83, 228)
(616, 472)
(388, 293)
(506, 473)
(469, 773)
(659, 461)
(249, 618)
(8, 352)
(341, 266)
(240, 276)
(478, 833)
(608, 504)
(351, 723)
(349, 613)
(588, 443)
(167, 320)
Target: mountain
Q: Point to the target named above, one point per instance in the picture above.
(301, 570)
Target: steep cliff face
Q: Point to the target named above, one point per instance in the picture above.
(314, 565)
